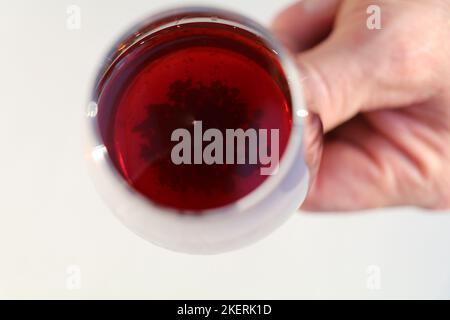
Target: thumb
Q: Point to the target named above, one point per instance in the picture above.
(356, 69)
(334, 82)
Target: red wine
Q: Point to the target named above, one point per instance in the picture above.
(215, 73)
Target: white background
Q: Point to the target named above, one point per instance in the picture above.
(51, 217)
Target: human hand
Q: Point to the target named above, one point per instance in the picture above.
(383, 96)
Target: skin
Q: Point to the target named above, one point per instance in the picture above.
(383, 97)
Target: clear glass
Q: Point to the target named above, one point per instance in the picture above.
(220, 229)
